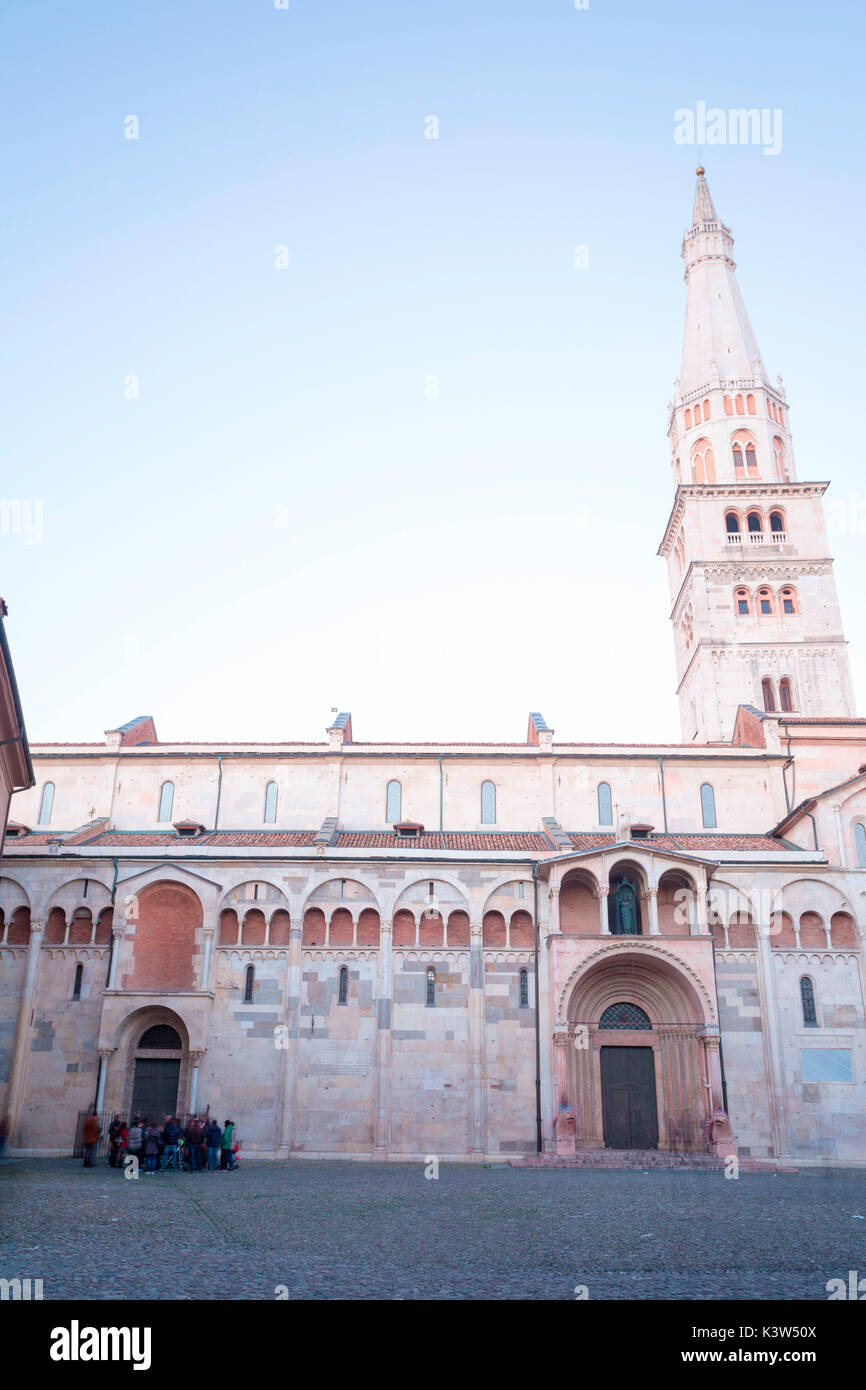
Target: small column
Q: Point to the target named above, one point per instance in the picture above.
(555, 928)
(653, 897)
(700, 922)
(21, 1047)
(196, 1059)
(354, 929)
(560, 1044)
(382, 1099)
(603, 920)
(118, 932)
(477, 1097)
(713, 1063)
(105, 1054)
(207, 959)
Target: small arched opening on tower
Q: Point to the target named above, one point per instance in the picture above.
(786, 695)
(768, 694)
(742, 602)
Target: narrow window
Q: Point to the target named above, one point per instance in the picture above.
(754, 522)
(860, 844)
(255, 891)
(785, 698)
(688, 418)
(789, 601)
(166, 801)
(46, 805)
(342, 888)
(765, 601)
(768, 694)
(521, 885)
(750, 405)
(76, 988)
(738, 461)
(488, 803)
(343, 996)
(743, 603)
(270, 803)
(394, 803)
(524, 989)
(605, 804)
(807, 999)
(732, 523)
(777, 522)
(249, 980)
(706, 410)
(751, 461)
(431, 987)
(708, 806)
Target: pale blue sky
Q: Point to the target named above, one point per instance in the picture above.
(283, 521)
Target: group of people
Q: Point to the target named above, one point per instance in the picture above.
(202, 1145)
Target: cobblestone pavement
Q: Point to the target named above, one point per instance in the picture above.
(336, 1230)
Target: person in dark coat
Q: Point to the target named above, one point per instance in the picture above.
(151, 1148)
(171, 1136)
(114, 1132)
(195, 1139)
(213, 1134)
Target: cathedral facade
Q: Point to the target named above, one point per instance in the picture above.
(489, 950)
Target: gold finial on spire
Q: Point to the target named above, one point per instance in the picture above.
(700, 170)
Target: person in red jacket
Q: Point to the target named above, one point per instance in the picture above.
(91, 1139)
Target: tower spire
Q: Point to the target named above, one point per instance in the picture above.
(755, 613)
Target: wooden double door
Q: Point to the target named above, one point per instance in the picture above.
(628, 1098)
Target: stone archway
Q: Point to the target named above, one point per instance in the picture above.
(635, 1047)
(151, 1066)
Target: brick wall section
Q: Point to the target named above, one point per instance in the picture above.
(168, 915)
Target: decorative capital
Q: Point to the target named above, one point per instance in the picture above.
(36, 927)
(603, 891)
(118, 929)
(554, 890)
(105, 1054)
(209, 932)
(386, 925)
(197, 1057)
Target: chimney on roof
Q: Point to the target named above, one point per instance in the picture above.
(538, 733)
(340, 731)
(139, 730)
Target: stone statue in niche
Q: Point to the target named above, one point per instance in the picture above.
(626, 915)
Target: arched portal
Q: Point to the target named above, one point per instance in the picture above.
(149, 1071)
(634, 1070)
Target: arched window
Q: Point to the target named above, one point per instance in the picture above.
(605, 804)
(739, 470)
(807, 1000)
(706, 410)
(431, 987)
(768, 694)
(166, 801)
(742, 602)
(488, 803)
(46, 805)
(765, 602)
(270, 803)
(732, 523)
(779, 457)
(729, 406)
(786, 699)
(755, 523)
(76, 988)
(708, 806)
(860, 844)
(750, 405)
(624, 1015)
(394, 803)
(751, 461)
(161, 1035)
(249, 981)
(703, 462)
(789, 600)
(524, 989)
(688, 417)
(343, 996)
(777, 522)
(739, 405)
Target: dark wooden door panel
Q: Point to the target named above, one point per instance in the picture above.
(154, 1093)
(628, 1097)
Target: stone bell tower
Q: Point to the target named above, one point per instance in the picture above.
(755, 614)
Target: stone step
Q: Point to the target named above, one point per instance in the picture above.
(621, 1158)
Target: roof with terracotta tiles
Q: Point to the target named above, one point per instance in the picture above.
(701, 841)
(431, 839)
